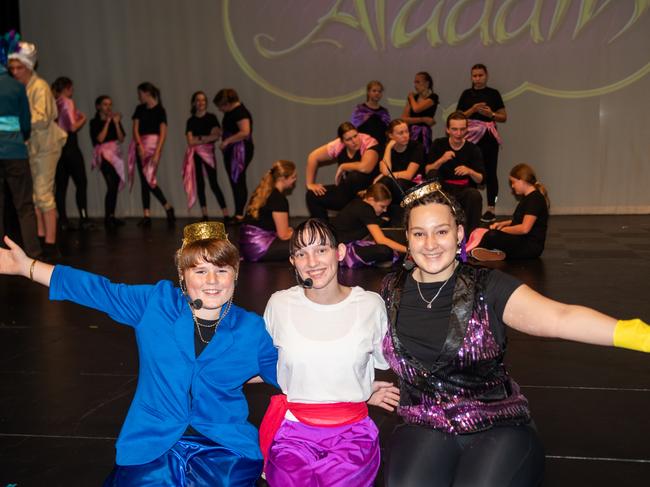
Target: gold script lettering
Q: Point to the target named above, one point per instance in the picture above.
(401, 38)
(483, 25)
(501, 34)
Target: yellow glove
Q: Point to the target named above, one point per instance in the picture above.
(632, 334)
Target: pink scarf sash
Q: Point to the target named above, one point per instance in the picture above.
(476, 130)
(112, 152)
(149, 142)
(206, 153)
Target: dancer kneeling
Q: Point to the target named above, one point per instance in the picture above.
(266, 232)
(329, 341)
(466, 421)
(358, 226)
(524, 235)
(183, 427)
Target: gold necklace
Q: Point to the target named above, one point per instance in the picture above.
(215, 325)
(429, 303)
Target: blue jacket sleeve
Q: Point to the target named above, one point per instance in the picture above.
(123, 303)
(268, 359)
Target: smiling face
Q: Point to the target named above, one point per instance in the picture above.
(213, 285)
(433, 238)
(319, 262)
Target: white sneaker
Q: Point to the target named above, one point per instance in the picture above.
(487, 255)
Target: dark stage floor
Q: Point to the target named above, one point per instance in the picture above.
(68, 374)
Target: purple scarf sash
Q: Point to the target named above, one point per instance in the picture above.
(68, 114)
(476, 130)
(254, 242)
(149, 142)
(422, 134)
(237, 156)
(353, 260)
(206, 153)
(112, 152)
(363, 112)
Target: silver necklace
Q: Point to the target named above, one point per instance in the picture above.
(215, 325)
(429, 303)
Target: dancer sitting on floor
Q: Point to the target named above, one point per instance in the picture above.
(466, 422)
(358, 226)
(187, 424)
(356, 155)
(266, 232)
(524, 235)
(329, 341)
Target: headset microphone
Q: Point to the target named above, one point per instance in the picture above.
(196, 304)
(307, 283)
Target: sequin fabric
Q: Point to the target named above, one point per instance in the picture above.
(468, 390)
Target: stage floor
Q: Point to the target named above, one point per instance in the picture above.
(67, 374)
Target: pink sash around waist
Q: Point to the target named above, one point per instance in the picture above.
(476, 130)
(149, 142)
(206, 153)
(112, 152)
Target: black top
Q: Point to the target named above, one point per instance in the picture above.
(235, 115)
(423, 331)
(97, 125)
(276, 202)
(468, 155)
(201, 125)
(150, 118)
(351, 222)
(429, 112)
(488, 95)
(375, 126)
(414, 152)
(533, 204)
(207, 332)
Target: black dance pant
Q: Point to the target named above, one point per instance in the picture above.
(471, 201)
(503, 456)
(112, 187)
(239, 188)
(515, 246)
(277, 252)
(337, 196)
(145, 189)
(490, 150)
(199, 164)
(374, 253)
(70, 165)
(17, 176)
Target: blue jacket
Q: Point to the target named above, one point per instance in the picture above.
(175, 389)
(15, 118)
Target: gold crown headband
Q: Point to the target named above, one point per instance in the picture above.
(424, 190)
(203, 231)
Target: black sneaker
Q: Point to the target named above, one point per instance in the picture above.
(488, 217)
(171, 216)
(145, 222)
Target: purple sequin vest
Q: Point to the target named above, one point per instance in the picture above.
(468, 388)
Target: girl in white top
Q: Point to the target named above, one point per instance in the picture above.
(329, 342)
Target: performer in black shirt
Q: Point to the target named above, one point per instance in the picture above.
(420, 109)
(370, 117)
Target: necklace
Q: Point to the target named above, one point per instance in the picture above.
(429, 303)
(215, 325)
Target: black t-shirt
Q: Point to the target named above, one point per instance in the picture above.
(375, 126)
(150, 118)
(429, 112)
(414, 152)
(97, 125)
(276, 202)
(488, 95)
(235, 115)
(533, 204)
(468, 155)
(351, 222)
(423, 331)
(201, 125)
(356, 157)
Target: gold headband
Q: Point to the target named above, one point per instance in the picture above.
(422, 191)
(203, 231)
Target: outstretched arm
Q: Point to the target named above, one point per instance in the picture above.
(13, 261)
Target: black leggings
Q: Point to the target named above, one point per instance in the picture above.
(70, 165)
(112, 187)
(337, 196)
(374, 253)
(199, 164)
(490, 150)
(145, 188)
(239, 188)
(515, 246)
(503, 456)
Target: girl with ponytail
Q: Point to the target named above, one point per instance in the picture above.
(266, 232)
(524, 235)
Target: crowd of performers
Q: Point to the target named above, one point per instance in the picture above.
(438, 322)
